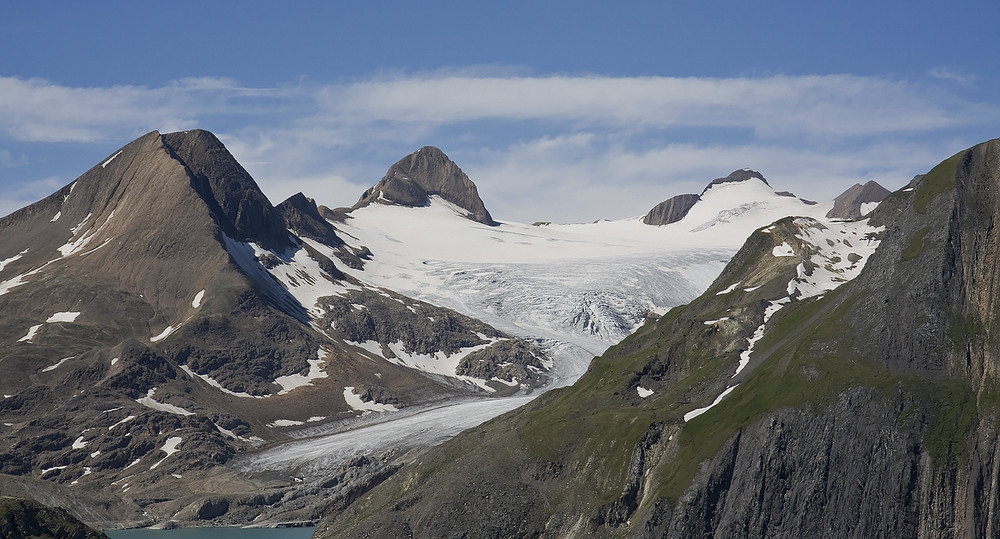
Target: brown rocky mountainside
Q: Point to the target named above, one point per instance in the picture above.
(153, 330)
(871, 411)
(426, 172)
(848, 205)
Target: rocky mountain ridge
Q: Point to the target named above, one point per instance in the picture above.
(412, 180)
(159, 318)
(676, 208)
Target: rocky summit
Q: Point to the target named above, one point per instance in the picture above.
(858, 200)
(426, 172)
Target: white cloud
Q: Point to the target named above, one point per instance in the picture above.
(540, 147)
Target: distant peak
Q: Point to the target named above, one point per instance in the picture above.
(848, 205)
(741, 175)
(428, 171)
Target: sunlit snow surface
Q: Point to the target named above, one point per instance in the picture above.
(575, 289)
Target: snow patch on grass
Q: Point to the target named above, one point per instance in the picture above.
(643, 392)
(697, 412)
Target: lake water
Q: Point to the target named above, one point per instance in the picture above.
(214, 533)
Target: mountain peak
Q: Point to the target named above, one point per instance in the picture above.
(676, 208)
(741, 175)
(242, 210)
(848, 205)
(428, 171)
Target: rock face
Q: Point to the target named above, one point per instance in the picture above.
(868, 411)
(426, 172)
(671, 210)
(848, 205)
(26, 518)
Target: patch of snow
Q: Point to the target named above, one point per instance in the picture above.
(86, 471)
(354, 401)
(110, 159)
(697, 412)
(32, 331)
(57, 365)
(196, 302)
(169, 447)
(783, 250)
(643, 392)
(163, 334)
(95, 454)
(758, 334)
(285, 423)
(868, 207)
(76, 247)
(79, 443)
(56, 217)
(728, 289)
(293, 381)
(207, 379)
(52, 469)
(114, 360)
(149, 402)
(751, 289)
(177, 475)
(64, 316)
(438, 363)
(4, 262)
(122, 422)
(713, 322)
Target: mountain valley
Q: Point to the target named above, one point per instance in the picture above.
(175, 348)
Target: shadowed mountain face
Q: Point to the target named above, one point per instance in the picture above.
(766, 407)
(428, 171)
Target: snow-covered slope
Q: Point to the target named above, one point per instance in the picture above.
(566, 285)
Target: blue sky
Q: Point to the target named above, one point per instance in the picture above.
(561, 111)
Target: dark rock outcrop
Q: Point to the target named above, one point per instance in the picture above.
(848, 204)
(671, 210)
(26, 518)
(428, 171)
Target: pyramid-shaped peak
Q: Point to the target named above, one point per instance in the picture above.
(412, 180)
